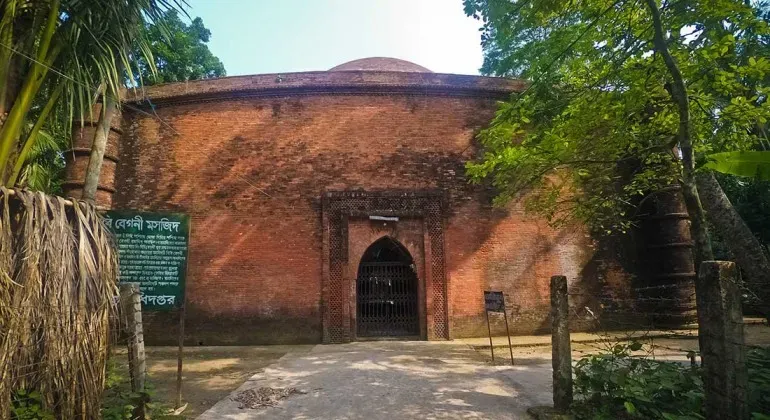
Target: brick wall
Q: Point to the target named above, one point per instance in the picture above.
(251, 171)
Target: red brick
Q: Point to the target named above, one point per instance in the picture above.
(250, 157)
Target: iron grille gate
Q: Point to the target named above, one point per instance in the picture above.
(387, 300)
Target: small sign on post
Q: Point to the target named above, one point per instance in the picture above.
(152, 252)
(495, 302)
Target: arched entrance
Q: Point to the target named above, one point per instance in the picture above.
(386, 291)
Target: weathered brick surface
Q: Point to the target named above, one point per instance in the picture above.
(77, 161)
(251, 172)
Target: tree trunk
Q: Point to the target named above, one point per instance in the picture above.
(746, 249)
(679, 94)
(101, 135)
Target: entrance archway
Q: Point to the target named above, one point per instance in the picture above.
(387, 291)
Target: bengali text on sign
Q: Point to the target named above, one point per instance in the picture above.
(152, 251)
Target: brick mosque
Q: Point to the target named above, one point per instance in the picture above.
(333, 206)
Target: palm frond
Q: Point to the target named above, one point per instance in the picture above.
(58, 276)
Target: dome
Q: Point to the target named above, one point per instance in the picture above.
(381, 64)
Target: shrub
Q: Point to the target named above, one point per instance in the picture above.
(120, 402)
(617, 385)
(28, 405)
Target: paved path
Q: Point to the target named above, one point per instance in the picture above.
(394, 380)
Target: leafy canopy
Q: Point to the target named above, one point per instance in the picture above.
(89, 49)
(179, 51)
(62, 55)
(595, 130)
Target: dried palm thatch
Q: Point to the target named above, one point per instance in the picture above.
(58, 288)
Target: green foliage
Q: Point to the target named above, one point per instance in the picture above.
(28, 405)
(616, 385)
(44, 170)
(84, 47)
(750, 164)
(179, 51)
(594, 132)
(162, 49)
(44, 167)
(120, 402)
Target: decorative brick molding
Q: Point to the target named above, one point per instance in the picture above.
(338, 207)
(323, 83)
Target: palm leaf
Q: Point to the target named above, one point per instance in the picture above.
(89, 45)
(751, 164)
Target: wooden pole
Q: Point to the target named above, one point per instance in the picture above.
(489, 329)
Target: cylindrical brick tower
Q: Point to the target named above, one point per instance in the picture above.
(78, 156)
(668, 295)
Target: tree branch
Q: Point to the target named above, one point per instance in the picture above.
(678, 93)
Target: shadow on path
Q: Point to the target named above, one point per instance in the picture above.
(394, 380)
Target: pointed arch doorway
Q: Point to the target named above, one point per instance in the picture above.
(348, 231)
(387, 296)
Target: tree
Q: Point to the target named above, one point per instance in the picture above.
(62, 53)
(179, 52)
(44, 163)
(626, 98)
(113, 53)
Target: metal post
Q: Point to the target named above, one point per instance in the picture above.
(508, 333)
(491, 346)
(180, 354)
(179, 358)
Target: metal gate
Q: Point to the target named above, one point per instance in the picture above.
(387, 300)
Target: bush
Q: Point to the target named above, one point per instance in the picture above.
(616, 385)
(120, 402)
(28, 405)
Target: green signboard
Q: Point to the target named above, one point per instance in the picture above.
(152, 251)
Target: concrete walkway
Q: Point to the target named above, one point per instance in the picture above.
(394, 380)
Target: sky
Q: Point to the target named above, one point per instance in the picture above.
(281, 36)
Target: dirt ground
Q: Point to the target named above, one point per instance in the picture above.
(757, 334)
(210, 373)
